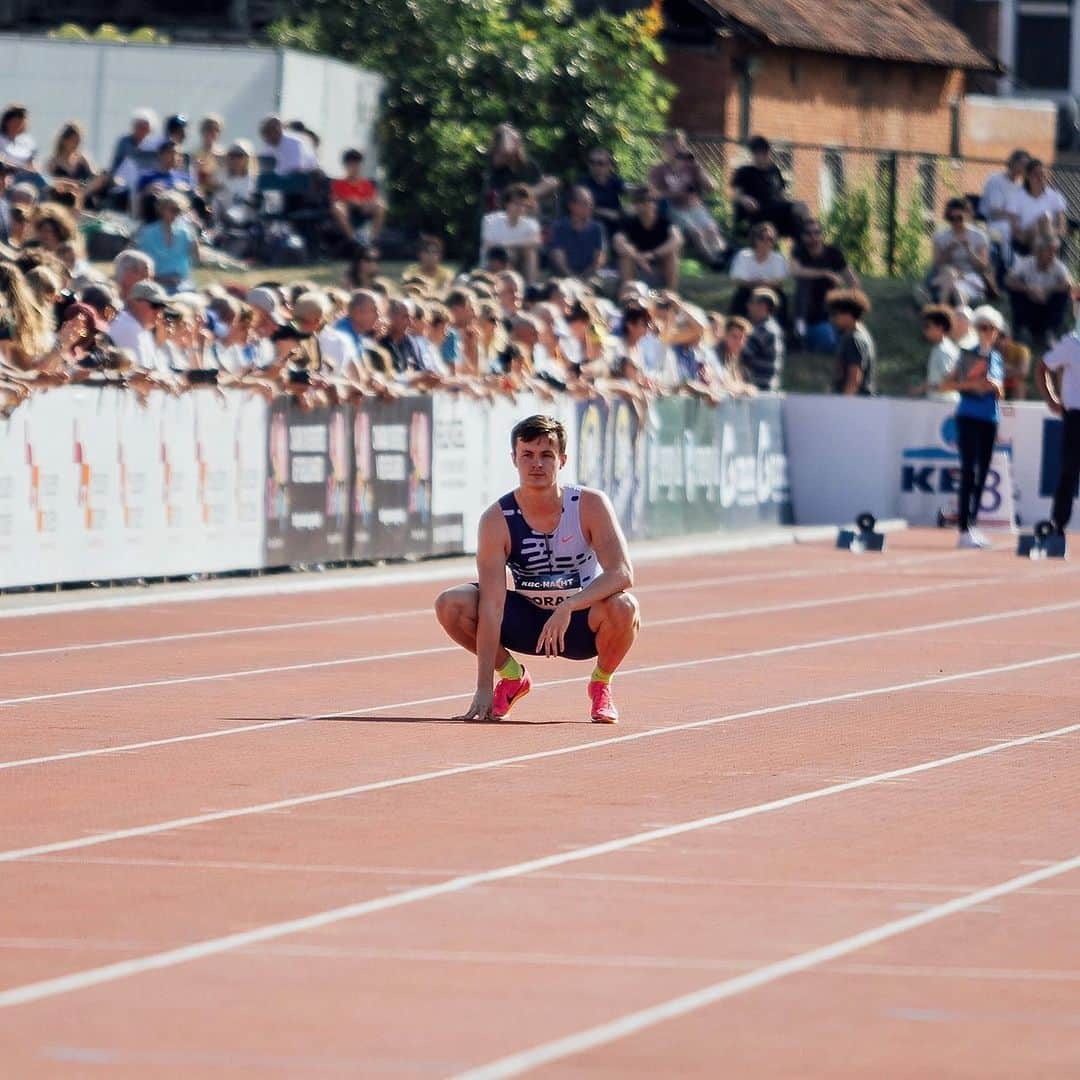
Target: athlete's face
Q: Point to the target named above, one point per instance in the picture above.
(538, 462)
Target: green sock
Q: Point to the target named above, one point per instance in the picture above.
(511, 670)
(600, 675)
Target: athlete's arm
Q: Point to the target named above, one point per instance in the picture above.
(492, 548)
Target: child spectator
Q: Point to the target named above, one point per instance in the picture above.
(855, 352)
(734, 333)
(759, 265)
(355, 200)
(514, 230)
(937, 321)
(817, 268)
(578, 246)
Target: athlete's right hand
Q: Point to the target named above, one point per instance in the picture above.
(481, 707)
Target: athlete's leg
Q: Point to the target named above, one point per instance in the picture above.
(616, 622)
(457, 610)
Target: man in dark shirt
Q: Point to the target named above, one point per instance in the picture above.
(606, 186)
(817, 268)
(398, 342)
(763, 355)
(578, 245)
(855, 352)
(758, 191)
(647, 244)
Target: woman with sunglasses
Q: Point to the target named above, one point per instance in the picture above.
(961, 258)
(979, 378)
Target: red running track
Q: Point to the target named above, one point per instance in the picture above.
(835, 835)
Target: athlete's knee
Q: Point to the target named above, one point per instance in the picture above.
(623, 610)
(454, 606)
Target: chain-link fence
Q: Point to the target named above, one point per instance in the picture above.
(881, 205)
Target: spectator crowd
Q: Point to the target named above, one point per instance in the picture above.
(575, 289)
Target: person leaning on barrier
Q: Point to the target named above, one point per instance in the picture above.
(856, 355)
(763, 356)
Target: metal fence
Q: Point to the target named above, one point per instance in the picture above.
(883, 205)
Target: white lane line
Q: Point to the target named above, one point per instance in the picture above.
(731, 579)
(81, 980)
(707, 616)
(632, 1023)
(96, 839)
(245, 673)
(754, 654)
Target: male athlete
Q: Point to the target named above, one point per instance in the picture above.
(567, 556)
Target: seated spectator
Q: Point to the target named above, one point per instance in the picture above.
(733, 377)
(578, 245)
(354, 199)
(855, 352)
(171, 241)
(234, 196)
(961, 258)
(17, 145)
(1038, 210)
(135, 328)
(169, 174)
(606, 187)
(292, 153)
(210, 157)
(758, 192)
(647, 244)
(763, 356)
(1017, 360)
(362, 270)
(937, 321)
(429, 267)
(514, 230)
(510, 165)
(143, 125)
(19, 209)
(996, 204)
(1039, 288)
(683, 184)
(759, 265)
(817, 268)
(176, 130)
(68, 162)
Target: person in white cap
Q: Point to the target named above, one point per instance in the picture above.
(979, 378)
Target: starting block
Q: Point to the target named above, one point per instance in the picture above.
(862, 537)
(1043, 543)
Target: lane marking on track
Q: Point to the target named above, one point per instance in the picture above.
(265, 628)
(754, 654)
(96, 839)
(81, 980)
(632, 1023)
(707, 616)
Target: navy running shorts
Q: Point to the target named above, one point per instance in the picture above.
(523, 621)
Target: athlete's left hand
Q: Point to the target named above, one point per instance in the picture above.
(553, 636)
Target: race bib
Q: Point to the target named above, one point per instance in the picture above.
(547, 590)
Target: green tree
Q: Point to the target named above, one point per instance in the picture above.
(850, 225)
(456, 68)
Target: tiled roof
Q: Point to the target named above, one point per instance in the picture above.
(905, 30)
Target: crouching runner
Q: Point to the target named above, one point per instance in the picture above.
(571, 571)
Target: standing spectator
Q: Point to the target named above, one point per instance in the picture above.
(996, 204)
(361, 320)
(647, 244)
(978, 377)
(337, 349)
(730, 351)
(129, 268)
(17, 145)
(514, 230)
(961, 258)
(606, 187)
(429, 266)
(355, 202)
(292, 153)
(171, 242)
(817, 268)
(680, 180)
(1039, 287)
(759, 265)
(578, 246)
(1038, 210)
(763, 356)
(855, 353)
(398, 342)
(135, 328)
(508, 165)
(362, 270)
(758, 190)
(937, 320)
(1059, 384)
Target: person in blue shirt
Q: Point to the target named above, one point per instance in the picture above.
(171, 242)
(578, 246)
(979, 378)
